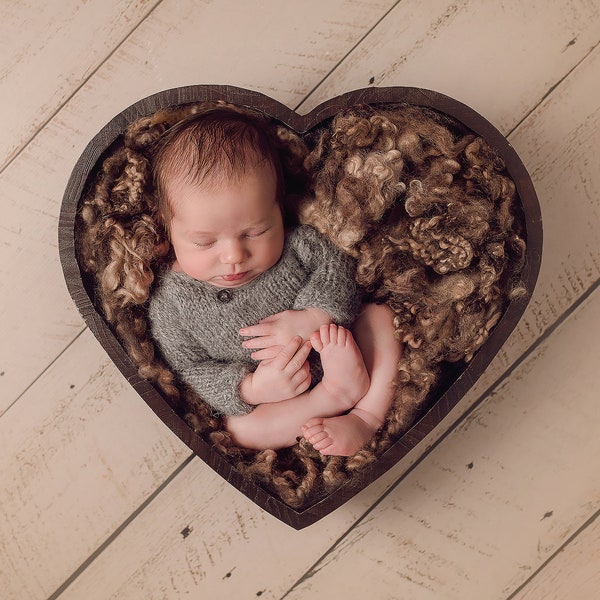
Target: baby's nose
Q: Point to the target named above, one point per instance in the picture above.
(234, 252)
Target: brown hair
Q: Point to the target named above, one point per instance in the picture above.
(210, 148)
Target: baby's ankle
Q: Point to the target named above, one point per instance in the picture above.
(347, 389)
(373, 422)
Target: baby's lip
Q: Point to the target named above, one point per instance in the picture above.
(234, 277)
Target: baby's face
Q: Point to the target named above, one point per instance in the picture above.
(227, 234)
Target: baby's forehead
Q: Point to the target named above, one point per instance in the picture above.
(200, 187)
(218, 173)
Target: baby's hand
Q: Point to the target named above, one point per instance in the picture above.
(270, 335)
(285, 376)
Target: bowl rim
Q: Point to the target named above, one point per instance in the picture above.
(300, 123)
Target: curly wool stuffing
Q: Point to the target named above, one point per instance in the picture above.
(426, 208)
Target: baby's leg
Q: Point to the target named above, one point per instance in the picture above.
(344, 435)
(345, 381)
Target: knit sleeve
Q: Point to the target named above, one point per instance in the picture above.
(331, 285)
(216, 382)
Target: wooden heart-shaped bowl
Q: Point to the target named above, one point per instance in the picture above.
(298, 485)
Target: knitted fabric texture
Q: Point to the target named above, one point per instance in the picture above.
(197, 328)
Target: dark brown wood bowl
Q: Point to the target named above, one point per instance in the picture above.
(81, 285)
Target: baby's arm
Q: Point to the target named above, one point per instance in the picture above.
(230, 387)
(331, 286)
(218, 382)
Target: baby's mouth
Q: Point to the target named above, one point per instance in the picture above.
(236, 277)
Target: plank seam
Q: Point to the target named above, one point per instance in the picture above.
(352, 49)
(560, 549)
(113, 536)
(43, 371)
(60, 107)
(552, 89)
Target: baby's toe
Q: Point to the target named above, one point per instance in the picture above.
(316, 341)
(323, 444)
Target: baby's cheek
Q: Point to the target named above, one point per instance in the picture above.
(197, 267)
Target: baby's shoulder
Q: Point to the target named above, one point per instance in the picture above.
(306, 237)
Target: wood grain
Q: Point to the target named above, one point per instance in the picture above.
(495, 57)
(204, 538)
(78, 452)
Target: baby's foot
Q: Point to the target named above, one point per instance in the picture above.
(340, 436)
(345, 376)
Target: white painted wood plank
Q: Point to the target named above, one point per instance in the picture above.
(573, 573)
(560, 145)
(265, 46)
(47, 49)
(494, 56)
(174, 46)
(76, 454)
(495, 499)
(203, 539)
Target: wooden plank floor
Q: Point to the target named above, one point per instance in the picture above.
(99, 500)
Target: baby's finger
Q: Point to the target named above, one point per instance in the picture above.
(269, 319)
(287, 353)
(301, 379)
(266, 353)
(265, 341)
(298, 361)
(260, 329)
(322, 445)
(318, 437)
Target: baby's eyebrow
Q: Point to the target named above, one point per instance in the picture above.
(266, 222)
(263, 223)
(204, 233)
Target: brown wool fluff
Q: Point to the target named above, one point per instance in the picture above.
(425, 206)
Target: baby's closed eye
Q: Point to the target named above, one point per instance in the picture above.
(257, 232)
(205, 243)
